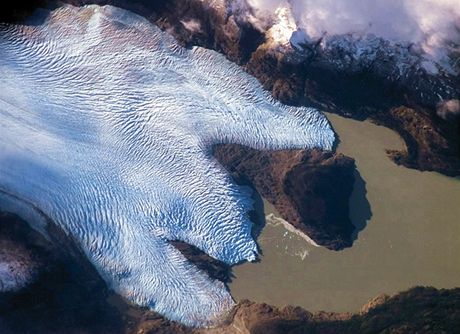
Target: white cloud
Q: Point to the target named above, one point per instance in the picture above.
(429, 23)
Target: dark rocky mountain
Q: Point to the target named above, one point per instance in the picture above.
(309, 188)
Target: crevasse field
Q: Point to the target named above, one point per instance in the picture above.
(107, 125)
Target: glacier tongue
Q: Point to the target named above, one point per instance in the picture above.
(107, 126)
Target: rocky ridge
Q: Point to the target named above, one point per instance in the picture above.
(309, 188)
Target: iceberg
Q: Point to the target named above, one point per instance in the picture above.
(107, 126)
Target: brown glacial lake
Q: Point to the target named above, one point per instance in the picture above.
(412, 237)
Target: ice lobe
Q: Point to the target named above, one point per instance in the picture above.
(107, 126)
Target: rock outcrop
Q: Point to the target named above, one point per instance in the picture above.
(21, 259)
(65, 294)
(432, 138)
(418, 310)
(214, 268)
(309, 188)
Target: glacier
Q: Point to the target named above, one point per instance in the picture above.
(107, 126)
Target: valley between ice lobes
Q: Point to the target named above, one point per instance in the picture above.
(107, 126)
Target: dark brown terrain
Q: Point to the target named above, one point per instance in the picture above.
(309, 188)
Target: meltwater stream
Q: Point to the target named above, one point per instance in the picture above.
(106, 126)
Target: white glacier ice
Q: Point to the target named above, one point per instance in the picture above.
(106, 126)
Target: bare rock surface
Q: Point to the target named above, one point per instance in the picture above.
(309, 188)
